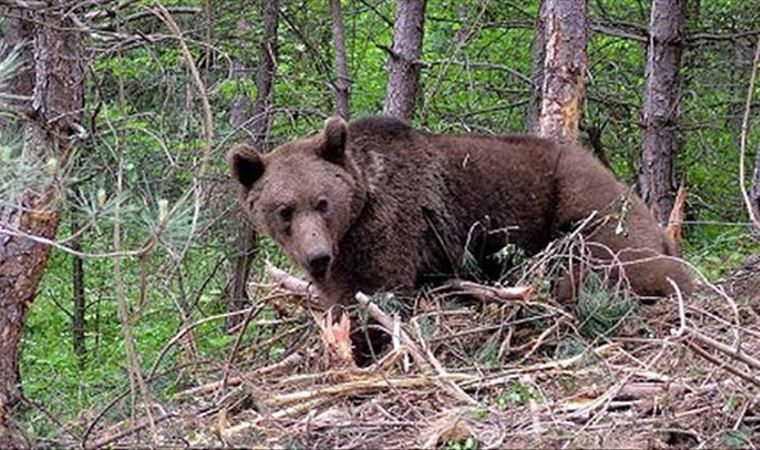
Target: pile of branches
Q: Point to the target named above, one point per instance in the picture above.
(470, 365)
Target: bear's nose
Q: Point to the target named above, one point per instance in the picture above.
(319, 262)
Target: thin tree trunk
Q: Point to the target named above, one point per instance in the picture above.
(538, 56)
(255, 119)
(58, 73)
(245, 250)
(403, 62)
(80, 304)
(343, 82)
(265, 74)
(754, 193)
(659, 113)
(565, 59)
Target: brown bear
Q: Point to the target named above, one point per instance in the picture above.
(377, 205)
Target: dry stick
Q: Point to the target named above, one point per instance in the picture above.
(289, 361)
(139, 427)
(453, 51)
(376, 382)
(376, 313)
(540, 340)
(186, 330)
(485, 292)
(295, 409)
(57, 245)
(725, 349)
(295, 285)
(487, 328)
(533, 407)
(743, 142)
(102, 413)
(681, 310)
(133, 362)
(603, 402)
(504, 377)
(734, 352)
(208, 128)
(739, 373)
(251, 314)
(52, 417)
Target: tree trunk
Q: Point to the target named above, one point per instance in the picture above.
(265, 74)
(258, 130)
(403, 62)
(565, 36)
(80, 304)
(659, 113)
(754, 193)
(57, 76)
(538, 55)
(343, 82)
(19, 30)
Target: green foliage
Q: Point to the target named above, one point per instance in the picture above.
(465, 444)
(18, 169)
(144, 121)
(516, 395)
(567, 348)
(740, 438)
(598, 309)
(9, 64)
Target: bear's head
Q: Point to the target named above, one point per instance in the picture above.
(305, 195)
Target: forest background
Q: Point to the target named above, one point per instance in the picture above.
(117, 116)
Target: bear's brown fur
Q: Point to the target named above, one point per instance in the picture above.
(376, 205)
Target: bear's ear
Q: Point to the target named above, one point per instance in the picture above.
(334, 147)
(245, 164)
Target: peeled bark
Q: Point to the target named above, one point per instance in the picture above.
(403, 62)
(343, 82)
(255, 119)
(57, 74)
(659, 113)
(566, 34)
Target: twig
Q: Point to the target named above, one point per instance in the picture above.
(743, 143)
(295, 285)
(739, 373)
(133, 362)
(289, 361)
(248, 317)
(295, 409)
(139, 427)
(425, 363)
(372, 383)
(208, 119)
(500, 379)
(734, 353)
(188, 328)
(533, 407)
(376, 313)
(681, 310)
(485, 293)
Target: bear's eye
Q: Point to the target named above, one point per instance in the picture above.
(322, 206)
(286, 213)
